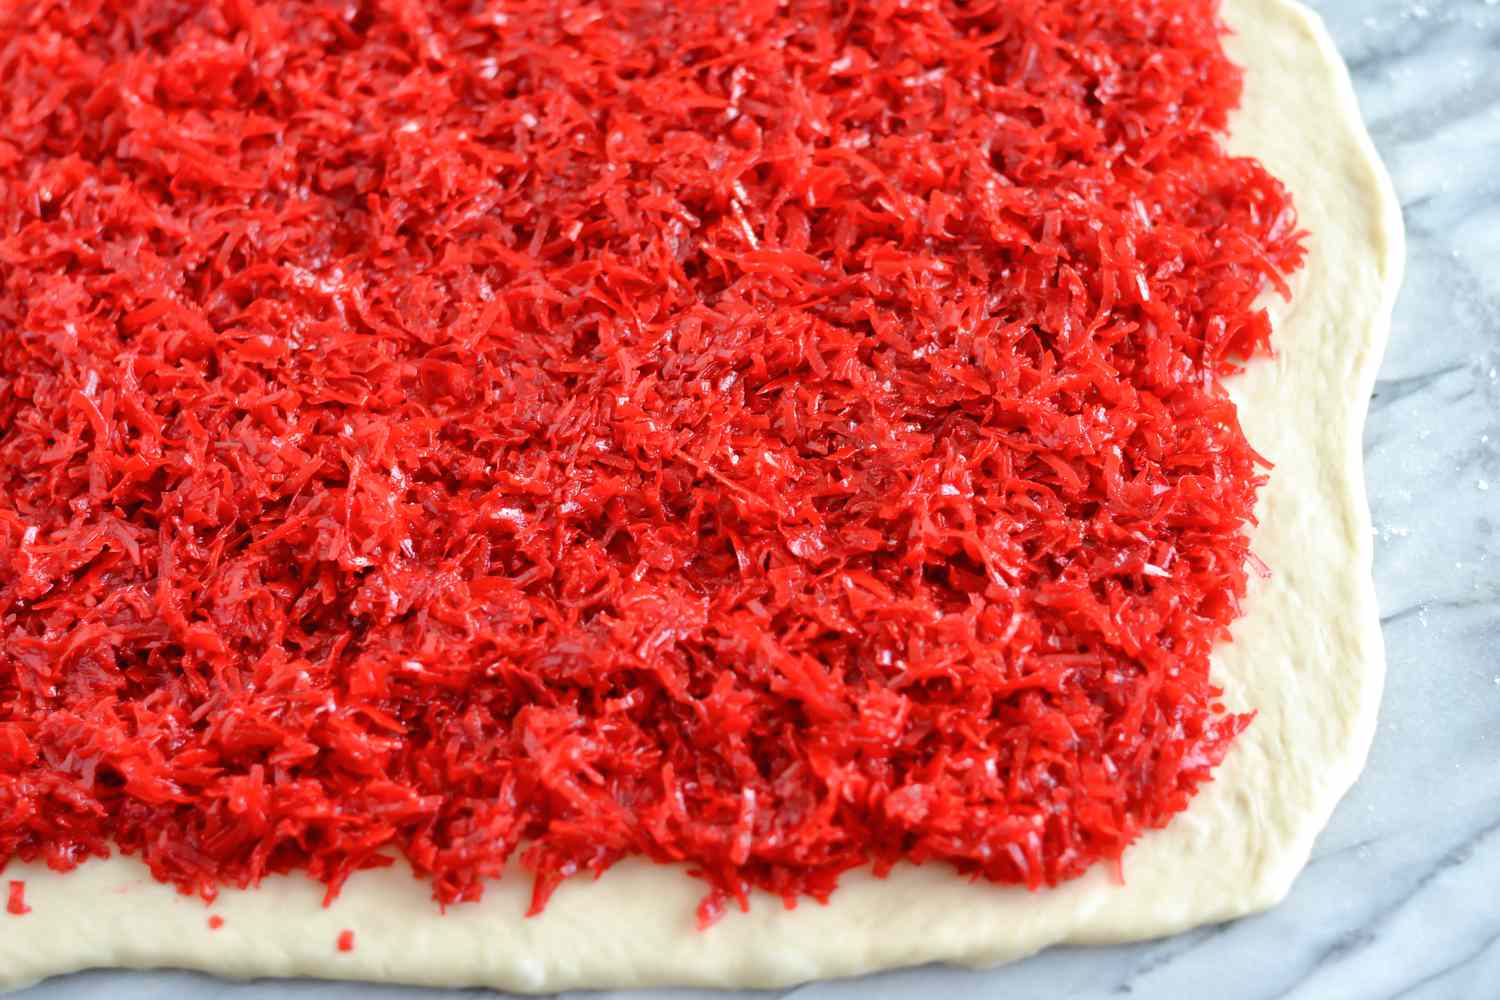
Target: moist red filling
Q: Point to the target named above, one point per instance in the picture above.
(774, 437)
(15, 903)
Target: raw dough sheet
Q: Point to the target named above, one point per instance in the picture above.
(1306, 656)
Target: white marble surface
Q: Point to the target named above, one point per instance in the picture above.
(1402, 898)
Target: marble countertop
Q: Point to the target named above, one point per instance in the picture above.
(1402, 898)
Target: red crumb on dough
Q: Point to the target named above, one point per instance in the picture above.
(215, 922)
(346, 941)
(775, 439)
(15, 904)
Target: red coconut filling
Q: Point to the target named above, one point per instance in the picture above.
(15, 901)
(775, 438)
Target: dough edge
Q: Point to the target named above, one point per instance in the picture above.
(1307, 656)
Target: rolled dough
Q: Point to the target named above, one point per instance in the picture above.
(1307, 656)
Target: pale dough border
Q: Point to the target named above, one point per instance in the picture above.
(1307, 655)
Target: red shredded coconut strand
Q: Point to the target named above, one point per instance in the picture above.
(15, 904)
(346, 941)
(215, 922)
(778, 438)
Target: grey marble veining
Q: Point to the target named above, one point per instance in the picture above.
(1402, 898)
